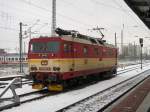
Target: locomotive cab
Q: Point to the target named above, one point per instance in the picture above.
(43, 57)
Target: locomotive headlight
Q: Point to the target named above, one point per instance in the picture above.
(33, 68)
(56, 68)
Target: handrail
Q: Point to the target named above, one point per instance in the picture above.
(15, 83)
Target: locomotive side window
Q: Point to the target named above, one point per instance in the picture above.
(85, 51)
(67, 48)
(96, 51)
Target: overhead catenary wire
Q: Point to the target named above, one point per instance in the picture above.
(133, 18)
(105, 5)
(47, 10)
(125, 11)
(59, 14)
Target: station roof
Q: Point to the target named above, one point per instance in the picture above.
(142, 9)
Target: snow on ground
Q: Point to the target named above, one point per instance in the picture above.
(25, 89)
(9, 71)
(58, 101)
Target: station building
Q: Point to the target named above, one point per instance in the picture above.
(10, 58)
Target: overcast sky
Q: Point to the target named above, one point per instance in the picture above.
(79, 15)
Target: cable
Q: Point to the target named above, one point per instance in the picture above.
(105, 5)
(47, 10)
(126, 12)
(75, 7)
(6, 28)
(59, 14)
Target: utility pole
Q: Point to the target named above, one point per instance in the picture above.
(24, 48)
(30, 33)
(53, 18)
(134, 51)
(122, 34)
(20, 48)
(141, 57)
(115, 40)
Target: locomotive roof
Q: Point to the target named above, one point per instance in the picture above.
(72, 35)
(75, 35)
(93, 41)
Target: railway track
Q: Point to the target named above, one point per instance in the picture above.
(101, 100)
(130, 69)
(28, 81)
(3, 84)
(28, 97)
(24, 98)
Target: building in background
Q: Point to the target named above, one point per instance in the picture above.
(11, 58)
(133, 51)
(2, 51)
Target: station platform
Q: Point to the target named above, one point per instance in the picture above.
(145, 105)
(138, 100)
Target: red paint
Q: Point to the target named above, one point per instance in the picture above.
(76, 50)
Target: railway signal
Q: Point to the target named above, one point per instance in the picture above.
(141, 41)
(141, 44)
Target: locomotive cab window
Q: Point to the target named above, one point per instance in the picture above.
(52, 47)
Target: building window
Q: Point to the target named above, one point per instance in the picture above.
(12, 59)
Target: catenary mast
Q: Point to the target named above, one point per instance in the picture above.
(53, 18)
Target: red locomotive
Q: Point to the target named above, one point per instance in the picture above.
(69, 56)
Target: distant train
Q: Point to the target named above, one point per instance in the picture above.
(71, 56)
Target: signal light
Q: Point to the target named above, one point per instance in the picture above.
(141, 41)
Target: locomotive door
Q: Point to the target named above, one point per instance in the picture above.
(69, 54)
(73, 51)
